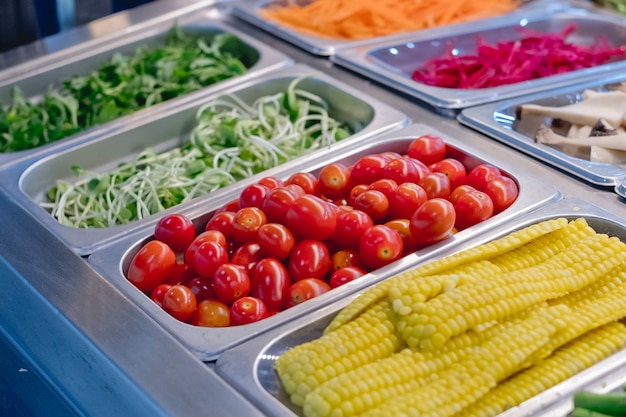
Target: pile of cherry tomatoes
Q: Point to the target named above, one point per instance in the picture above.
(284, 242)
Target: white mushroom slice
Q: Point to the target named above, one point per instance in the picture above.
(547, 136)
(608, 156)
(579, 131)
(609, 105)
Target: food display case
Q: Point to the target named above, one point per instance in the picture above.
(73, 328)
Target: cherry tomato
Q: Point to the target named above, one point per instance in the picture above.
(345, 275)
(247, 255)
(202, 288)
(350, 227)
(247, 310)
(428, 149)
(271, 182)
(231, 282)
(269, 282)
(436, 185)
(405, 200)
(208, 257)
(253, 195)
(355, 191)
(306, 180)
(453, 168)
(176, 231)
(277, 202)
(246, 224)
(276, 241)
(310, 217)
(472, 208)
(206, 236)
(180, 302)
(503, 191)
(181, 273)
(222, 222)
(306, 289)
(158, 292)
(386, 186)
(480, 175)
(460, 190)
(380, 245)
(232, 205)
(346, 257)
(211, 313)
(405, 169)
(433, 221)
(374, 203)
(403, 227)
(334, 180)
(151, 265)
(309, 259)
(368, 169)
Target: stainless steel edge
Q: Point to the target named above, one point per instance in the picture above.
(109, 149)
(83, 60)
(484, 119)
(448, 101)
(248, 367)
(209, 343)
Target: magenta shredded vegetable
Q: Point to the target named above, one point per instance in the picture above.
(536, 55)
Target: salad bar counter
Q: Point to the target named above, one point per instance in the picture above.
(209, 212)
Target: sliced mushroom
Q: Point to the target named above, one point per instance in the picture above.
(602, 128)
(607, 156)
(547, 136)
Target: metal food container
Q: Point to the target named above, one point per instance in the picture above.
(30, 180)
(248, 10)
(250, 366)
(393, 62)
(498, 120)
(34, 77)
(208, 343)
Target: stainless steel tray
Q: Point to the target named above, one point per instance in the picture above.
(248, 11)
(34, 78)
(250, 366)
(393, 62)
(29, 180)
(209, 343)
(498, 121)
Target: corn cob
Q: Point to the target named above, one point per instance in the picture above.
(370, 385)
(604, 285)
(432, 323)
(370, 337)
(567, 361)
(488, 250)
(479, 371)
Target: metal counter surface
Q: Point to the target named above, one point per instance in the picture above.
(103, 355)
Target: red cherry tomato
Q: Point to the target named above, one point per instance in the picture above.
(350, 227)
(306, 289)
(309, 259)
(202, 288)
(436, 185)
(206, 236)
(306, 180)
(276, 241)
(374, 203)
(405, 200)
(355, 191)
(271, 182)
(472, 208)
(211, 313)
(222, 222)
(334, 181)
(269, 282)
(428, 149)
(253, 195)
(386, 186)
(310, 217)
(480, 175)
(379, 246)
(453, 168)
(403, 227)
(151, 265)
(433, 221)
(246, 224)
(368, 169)
(460, 190)
(208, 257)
(247, 310)
(247, 255)
(346, 257)
(158, 292)
(405, 169)
(232, 205)
(503, 191)
(231, 282)
(344, 275)
(179, 302)
(181, 273)
(176, 231)
(277, 202)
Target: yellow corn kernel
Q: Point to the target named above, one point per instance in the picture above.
(564, 363)
(370, 337)
(449, 391)
(488, 250)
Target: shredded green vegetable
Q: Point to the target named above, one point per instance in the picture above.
(232, 141)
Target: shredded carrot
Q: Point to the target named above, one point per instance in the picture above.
(362, 19)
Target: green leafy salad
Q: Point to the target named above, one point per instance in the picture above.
(231, 141)
(121, 86)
